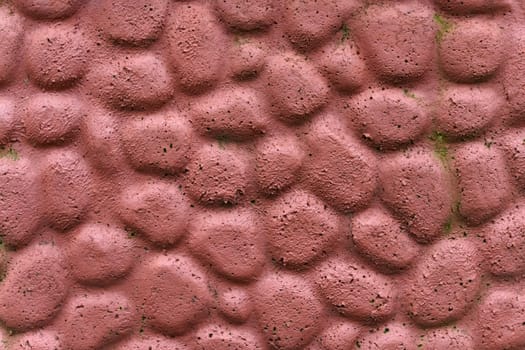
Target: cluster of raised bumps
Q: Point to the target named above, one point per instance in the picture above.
(234, 174)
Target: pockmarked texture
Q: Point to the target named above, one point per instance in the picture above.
(262, 174)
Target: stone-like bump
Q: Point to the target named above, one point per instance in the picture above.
(340, 335)
(157, 143)
(513, 76)
(66, 188)
(467, 110)
(235, 304)
(246, 14)
(173, 293)
(294, 86)
(416, 187)
(237, 114)
(501, 320)
(514, 150)
(218, 336)
(54, 9)
(381, 239)
(56, 55)
(134, 22)
(19, 211)
(229, 241)
(190, 31)
(472, 49)
(338, 169)
(157, 210)
(52, 118)
(36, 284)
(300, 229)
(247, 59)
(445, 283)
(389, 118)
(99, 254)
(277, 162)
(340, 61)
(218, 174)
(11, 30)
(504, 242)
(483, 181)
(94, 320)
(310, 22)
(355, 291)
(287, 311)
(136, 81)
(391, 336)
(398, 39)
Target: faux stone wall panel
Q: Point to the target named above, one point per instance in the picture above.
(262, 174)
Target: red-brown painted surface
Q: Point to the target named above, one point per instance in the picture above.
(262, 174)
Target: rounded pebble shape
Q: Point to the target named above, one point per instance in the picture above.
(307, 23)
(190, 30)
(388, 337)
(93, 320)
(133, 22)
(235, 304)
(99, 254)
(447, 338)
(56, 55)
(382, 240)
(288, 312)
(466, 110)
(277, 162)
(19, 212)
(229, 242)
(514, 149)
(504, 242)
(389, 118)
(483, 181)
(66, 188)
(36, 284)
(501, 317)
(218, 174)
(173, 293)
(247, 59)
(158, 210)
(222, 337)
(157, 143)
(294, 87)
(37, 340)
(513, 76)
(100, 135)
(398, 39)
(445, 283)
(246, 14)
(11, 30)
(341, 335)
(155, 342)
(416, 187)
(51, 9)
(338, 169)
(7, 119)
(466, 7)
(300, 229)
(472, 50)
(355, 291)
(52, 118)
(342, 65)
(139, 81)
(233, 113)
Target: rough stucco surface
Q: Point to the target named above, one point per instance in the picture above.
(235, 174)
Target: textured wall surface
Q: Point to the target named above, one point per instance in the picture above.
(262, 174)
